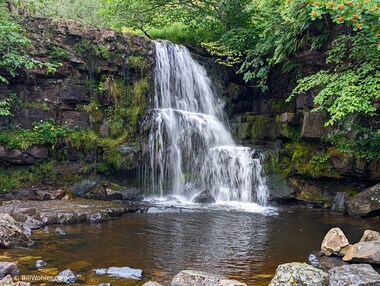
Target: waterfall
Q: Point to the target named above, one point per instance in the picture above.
(190, 146)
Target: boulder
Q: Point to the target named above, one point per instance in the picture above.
(122, 272)
(12, 234)
(355, 274)
(116, 192)
(59, 231)
(66, 276)
(84, 187)
(204, 197)
(296, 273)
(8, 268)
(8, 281)
(370, 235)
(200, 278)
(334, 242)
(366, 251)
(152, 283)
(366, 203)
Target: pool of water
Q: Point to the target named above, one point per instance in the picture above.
(241, 244)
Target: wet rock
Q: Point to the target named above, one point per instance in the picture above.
(66, 276)
(59, 232)
(200, 278)
(325, 262)
(12, 234)
(366, 203)
(8, 268)
(26, 220)
(204, 197)
(97, 193)
(370, 235)
(122, 272)
(116, 192)
(40, 263)
(339, 202)
(84, 187)
(355, 274)
(334, 242)
(71, 211)
(152, 283)
(27, 194)
(296, 273)
(107, 284)
(367, 252)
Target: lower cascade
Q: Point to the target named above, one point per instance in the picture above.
(190, 147)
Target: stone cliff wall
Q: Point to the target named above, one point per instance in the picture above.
(99, 92)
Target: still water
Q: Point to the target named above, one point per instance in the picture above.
(242, 245)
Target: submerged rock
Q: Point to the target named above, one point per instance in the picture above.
(204, 197)
(325, 262)
(122, 272)
(366, 251)
(66, 276)
(59, 232)
(296, 273)
(13, 234)
(355, 274)
(200, 278)
(334, 242)
(370, 235)
(40, 263)
(366, 203)
(8, 268)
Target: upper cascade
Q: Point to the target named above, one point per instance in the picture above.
(190, 147)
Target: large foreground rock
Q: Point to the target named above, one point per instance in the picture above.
(296, 273)
(366, 251)
(334, 241)
(354, 275)
(366, 203)
(12, 234)
(204, 197)
(200, 278)
(122, 272)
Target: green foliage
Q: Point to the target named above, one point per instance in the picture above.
(84, 11)
(354, 81)
(17, 177)
(364, 142)
(45, 132)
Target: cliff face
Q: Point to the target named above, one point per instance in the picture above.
(101, 91)
(103, 83)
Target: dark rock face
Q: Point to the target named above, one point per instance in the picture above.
(313, 126)
(366, 203)
(204, 197)
(339, 203)
(355, 274)
(30, 156)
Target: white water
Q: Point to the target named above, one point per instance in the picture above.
(190, 147)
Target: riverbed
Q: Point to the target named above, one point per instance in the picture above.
(242, 244)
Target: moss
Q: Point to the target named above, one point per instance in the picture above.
(279, 106)
(263, 128)
(138, 63)
(17, 177)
